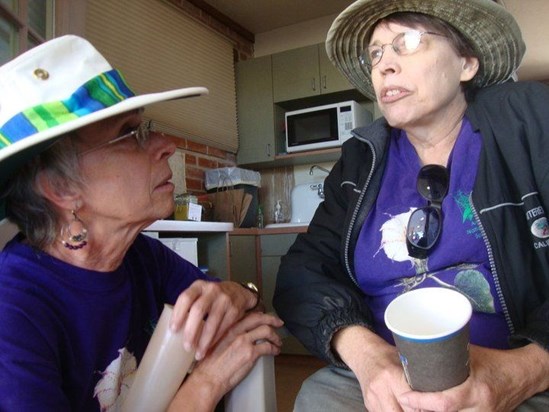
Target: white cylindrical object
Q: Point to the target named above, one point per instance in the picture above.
(256, 392)
(161, 371)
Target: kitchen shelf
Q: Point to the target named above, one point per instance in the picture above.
(299, 158)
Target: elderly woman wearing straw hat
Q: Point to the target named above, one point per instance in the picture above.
(81, 174)
(450, 188)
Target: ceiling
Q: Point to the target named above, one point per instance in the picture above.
(259, 16)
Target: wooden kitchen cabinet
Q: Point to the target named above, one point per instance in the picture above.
(331, 80)
(273, 247)
(255, 256)
(305, 72)
(256, 112)
(244, 263)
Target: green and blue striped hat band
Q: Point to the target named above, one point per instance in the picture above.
(57, 87)
(102, 91)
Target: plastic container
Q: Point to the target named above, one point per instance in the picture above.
(183, 208)
(161, 371)
(257, 391)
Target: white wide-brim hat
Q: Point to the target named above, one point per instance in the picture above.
(490, 29)
(57, 87)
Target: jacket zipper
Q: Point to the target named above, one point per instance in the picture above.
(493, 269)
(355, 214)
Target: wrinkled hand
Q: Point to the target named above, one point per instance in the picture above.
(382, 381)
(206, 310)
(500, 380)
(228, 362)
(376, 365)
(235, 354)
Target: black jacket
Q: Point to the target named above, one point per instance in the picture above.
(316, 291)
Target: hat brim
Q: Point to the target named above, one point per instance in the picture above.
(126, 105)
(489, 28)
(15, 155)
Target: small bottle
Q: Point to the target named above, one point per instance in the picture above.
(278, 215)
(260, 221)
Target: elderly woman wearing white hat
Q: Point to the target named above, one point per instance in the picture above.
(81, 174)
(449, 188)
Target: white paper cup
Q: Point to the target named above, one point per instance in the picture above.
(431, 331)
(161, 371)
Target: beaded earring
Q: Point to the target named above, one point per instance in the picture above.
(74, 235)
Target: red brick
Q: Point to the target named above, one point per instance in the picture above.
(195, 185)
(212, 151)
(190, 159)
(194, 173)
(207, 163)
(197, 147)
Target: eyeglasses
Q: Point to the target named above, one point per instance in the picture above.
(403, 44)
(425, 223)
(141, 135)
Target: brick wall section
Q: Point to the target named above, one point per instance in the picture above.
(198, 159)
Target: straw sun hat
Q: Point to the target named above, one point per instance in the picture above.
(58, 87)
(489, 28)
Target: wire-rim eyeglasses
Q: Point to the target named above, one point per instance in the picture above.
(403, 44)
(141, 135)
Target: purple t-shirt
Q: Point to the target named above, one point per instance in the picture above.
(459, 260)
(71, 338)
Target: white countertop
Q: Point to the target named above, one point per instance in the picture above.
(289, 224)
(189, 226)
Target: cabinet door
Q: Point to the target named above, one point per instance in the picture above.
(331, 79)
(296, 74)
(273, 247)
(243, 259)
(255, 110)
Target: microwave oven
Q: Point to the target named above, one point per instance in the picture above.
(323, 126)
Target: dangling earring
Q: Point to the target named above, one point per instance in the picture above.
(71, 240)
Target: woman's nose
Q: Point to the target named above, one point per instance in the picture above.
(389, 60)
(162, 144)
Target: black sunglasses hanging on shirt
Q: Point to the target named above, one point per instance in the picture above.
(425, 223)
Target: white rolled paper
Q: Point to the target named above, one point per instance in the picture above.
(161, 371)
(257, 391)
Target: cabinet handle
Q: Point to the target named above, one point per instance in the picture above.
(324, 82)
(268, 150)
(313, 84)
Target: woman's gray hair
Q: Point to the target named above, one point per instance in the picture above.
(26, 206)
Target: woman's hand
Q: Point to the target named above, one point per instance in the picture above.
(376, 365)
(206, 310)
(500, 380)
(228, 362)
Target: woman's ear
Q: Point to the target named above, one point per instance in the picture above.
(63, 196)
(469, 68)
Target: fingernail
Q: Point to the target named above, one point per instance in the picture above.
(198, 356)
